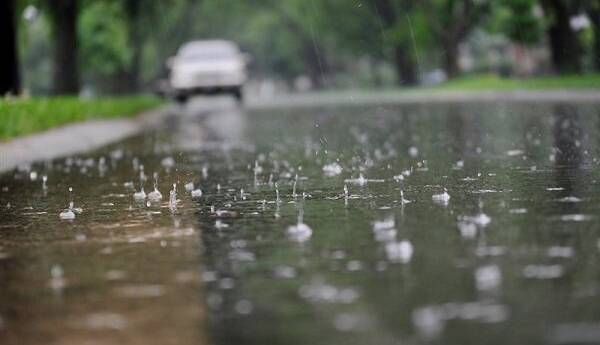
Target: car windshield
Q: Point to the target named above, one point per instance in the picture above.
(207, 52)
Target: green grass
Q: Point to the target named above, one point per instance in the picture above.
(25, 116)
(494, 82)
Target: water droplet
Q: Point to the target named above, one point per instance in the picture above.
(543, 271)
(173, 198)
(197, 193)
(299, 232)
(332, 169)
(140, 196)
(413, 151)
(488, 277)
(400, 252)
(243, 307)
(294, 187)
(442, 198)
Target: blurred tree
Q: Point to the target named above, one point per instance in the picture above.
(141, 19)
(357, 36)
(124, 42)
(165, 25)
(105, 51)
(395, 20)
(593, 11)
(302, 45)
(35, 47)
(564, 44)
(301, 18)
(518, 21)
(9, 66)
(64, 15)
(132, 10)
(273, 55)
(451, 22)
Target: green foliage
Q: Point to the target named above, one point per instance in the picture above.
(34, 48)
(25, 116)
(494, 82)
(286, 38)
(103, 36)
(518, 21)
(261, 44)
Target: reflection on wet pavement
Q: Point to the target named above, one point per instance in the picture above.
(447, 224)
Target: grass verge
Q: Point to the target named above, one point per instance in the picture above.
(493, 82)
(25, 116)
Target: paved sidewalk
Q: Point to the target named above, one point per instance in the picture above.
(74, 138)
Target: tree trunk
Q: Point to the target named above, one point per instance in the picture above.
(564, 45)
(594, 15)
(389, 12)
(9, 65)
(316, 66)
(451, 58)
(66, 72)
(132, 8)
(406, 71)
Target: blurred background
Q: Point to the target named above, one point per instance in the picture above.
(97, 47)
(215, 251)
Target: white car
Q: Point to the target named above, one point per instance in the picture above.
(207, 67)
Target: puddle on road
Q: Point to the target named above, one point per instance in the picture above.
(427, 224)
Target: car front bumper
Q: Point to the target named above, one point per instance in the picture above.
(206, 81)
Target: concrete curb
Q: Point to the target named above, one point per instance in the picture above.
(343, 98)
(75, 138)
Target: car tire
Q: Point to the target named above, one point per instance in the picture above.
(181, 99)
(238, 94)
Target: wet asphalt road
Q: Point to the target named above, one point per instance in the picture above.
(444, 224)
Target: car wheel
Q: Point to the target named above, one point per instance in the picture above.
(181, 99)
(237, 93)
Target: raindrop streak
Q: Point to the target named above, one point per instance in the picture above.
(173, 198)
(142, 174)
(257, 170)
(294, 195)
(402, 200)
(346, 195)
(141, 195)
